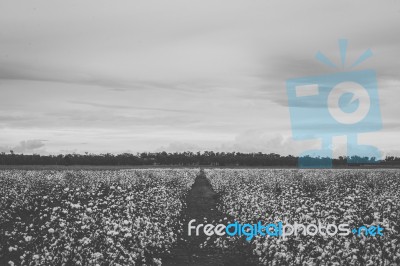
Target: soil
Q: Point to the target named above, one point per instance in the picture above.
(202, 203)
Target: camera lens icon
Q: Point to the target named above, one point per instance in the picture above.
(349, 102)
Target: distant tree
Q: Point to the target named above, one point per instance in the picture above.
(184, 159)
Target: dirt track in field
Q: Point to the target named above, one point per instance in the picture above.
(201, 206)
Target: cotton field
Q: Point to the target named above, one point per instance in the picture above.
(357, 197)
(134, 217)
(120, 217)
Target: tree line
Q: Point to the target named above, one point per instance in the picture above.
(206, 158)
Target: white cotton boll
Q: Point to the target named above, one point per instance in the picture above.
(97, 255)
(51, 231)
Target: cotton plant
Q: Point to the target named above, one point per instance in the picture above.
(123, 217)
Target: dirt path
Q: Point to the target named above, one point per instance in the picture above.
(201, 205)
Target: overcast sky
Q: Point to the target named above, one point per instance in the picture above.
(131, 76)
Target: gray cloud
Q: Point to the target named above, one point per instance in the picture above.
(26, 146)
(118, 106)
(198, 75)
(180, 147)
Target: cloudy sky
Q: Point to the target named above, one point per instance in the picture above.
(131, 76)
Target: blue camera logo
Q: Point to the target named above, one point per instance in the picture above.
(344, 103)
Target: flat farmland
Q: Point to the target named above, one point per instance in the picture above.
(140, 216)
